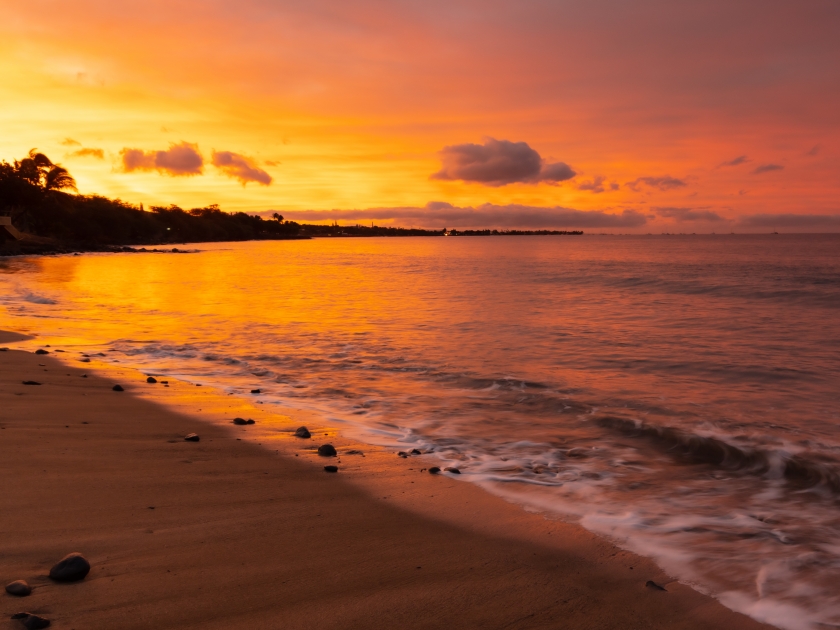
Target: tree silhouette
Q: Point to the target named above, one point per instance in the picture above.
(57, 178)
(39, 170)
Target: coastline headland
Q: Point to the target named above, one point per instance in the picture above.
(246, 529)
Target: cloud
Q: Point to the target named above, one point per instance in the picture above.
(99, 154)
(688, 214)
(766, 168)
(818, 222)
(69, 142)
(596, 185)
(178, 160)
(663, 183)
(498, 163)
(240, 167)
(438, 214)
(741, 159)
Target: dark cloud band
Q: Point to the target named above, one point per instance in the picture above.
(438, 214)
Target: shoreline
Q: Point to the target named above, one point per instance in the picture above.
(255, 532)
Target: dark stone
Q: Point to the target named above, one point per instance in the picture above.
(70, 568)
(85, 360)
(57, 350)
(19, 588)
(118, 388)
(31, 383)
(192, 437)
(453, 470)
(327, 450)
(303, 432)
(655, 586)
(256, 391)
(165, 382)
(434, 470)
(34, 622)
(331, 468)
(240, 421)
(354, 452)
(414, 451)
(402, 454)
(151, 379)
(42, 351)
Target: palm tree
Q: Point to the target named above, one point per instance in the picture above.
(39, 170)
(57, 178)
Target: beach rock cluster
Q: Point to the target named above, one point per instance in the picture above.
(71, 568)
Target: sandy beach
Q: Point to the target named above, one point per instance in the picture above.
(231, 532)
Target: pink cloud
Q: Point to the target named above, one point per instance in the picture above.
(178, 160)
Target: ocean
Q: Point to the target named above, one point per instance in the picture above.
(676, 394)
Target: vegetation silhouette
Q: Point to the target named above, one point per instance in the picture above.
(32, 193)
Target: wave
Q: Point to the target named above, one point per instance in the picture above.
(804, 470)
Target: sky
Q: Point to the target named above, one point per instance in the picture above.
(602, 115)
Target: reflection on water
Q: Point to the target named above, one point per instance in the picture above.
(678, 394)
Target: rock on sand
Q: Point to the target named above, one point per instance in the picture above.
(303, 432)
(327, 450)
(192, 437)
(19, 588)
(32, 622)
(70, 568)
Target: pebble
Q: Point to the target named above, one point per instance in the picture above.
(31, 383)
(118, 388)
(452, 470)
(331, 468)
(85, 360)
(303, 432)
(402, 454)
(32, 622)
(42, 351)
(327, 450)
(19, 588)
(256, 391)
(241, 421)
(434, 470)
(655, 586)
(70, 568)
(192, 437)
(414, 451)
(151, 379)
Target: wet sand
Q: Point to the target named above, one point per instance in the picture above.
(227, 533)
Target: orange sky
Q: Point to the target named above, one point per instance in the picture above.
(349, 105)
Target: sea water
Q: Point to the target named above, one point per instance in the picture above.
(677, 394)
